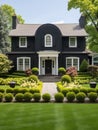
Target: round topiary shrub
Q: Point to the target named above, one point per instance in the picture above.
(65, 78)
(75, 90)
(32, 90)
(92, 96)
(33, 78)
(37, 97)
(2, 90)
(61, 71)
(80, 97)
(9, 90)
(84, 90)
(59, 97)
(27, 97)
(46, 97)
(35, 71)
(23, 90)
(70, 96)
(1, 97)
(15, 91)
(65, 91)
(8, 97)
(19, 97)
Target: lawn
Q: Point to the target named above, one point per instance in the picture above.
(48, 116)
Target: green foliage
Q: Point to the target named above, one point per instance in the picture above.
(65, 91)
(5, 64)
(61, 71)
(9, 90)
(2, 90)
(93, 70)
(37, 97)
(75, 90)
(8, 97)
(70, 96)
(33, 78)
(92, 96)
(35, 71)
(84, 90)
(46, 97)
(59, 97)
(23, 90)
(27, 97)
(16, 90)
(65, 78)
(1, 97)
(19, 97)
(84, 66)
(80, 97)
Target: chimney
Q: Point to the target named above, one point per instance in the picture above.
(82, 21)
(14, 21)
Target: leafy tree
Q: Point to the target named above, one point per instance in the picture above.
(84, 66)
(88, 8)
(4, 45)
(5, 64)
(6, 13)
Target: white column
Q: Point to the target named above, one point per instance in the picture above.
(39, 65)
(56, 65)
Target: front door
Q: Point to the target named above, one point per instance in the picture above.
(48, 66)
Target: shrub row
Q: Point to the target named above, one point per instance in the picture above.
(46, 97)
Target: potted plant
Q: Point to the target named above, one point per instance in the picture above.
(93, 84)
(12, 84)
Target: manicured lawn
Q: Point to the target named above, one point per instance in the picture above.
(48, 116)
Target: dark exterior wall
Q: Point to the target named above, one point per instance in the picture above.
(30, 44)
(13, 58)
(48, 29)
(81, 44)
(62, 58)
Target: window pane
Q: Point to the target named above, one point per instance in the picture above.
(75, 63)
(20, 64)
(48, 40)
(22, 41)
(72, 42)
(27, 62)
(69, 63)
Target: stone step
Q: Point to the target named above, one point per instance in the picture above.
(49, 78)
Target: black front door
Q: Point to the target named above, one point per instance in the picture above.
(48, 66)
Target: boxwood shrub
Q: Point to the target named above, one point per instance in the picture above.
(59, 97)
(75, 90)
(80, 97)
(27, 97)
(23, 90)
(92, 96)
(2, 90)
(46, 97)
(65, 78)
(1, 97)
(19, 97)
(65, 91)
(33, 78)
(37, 97)
(70, 96)
(8, 97)
(84, 90)
(9, 90)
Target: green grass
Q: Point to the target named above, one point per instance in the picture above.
(48, 116)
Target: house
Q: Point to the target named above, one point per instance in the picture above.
(48, 46)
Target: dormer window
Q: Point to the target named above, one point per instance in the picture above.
(23, 42)
(48, 40)
(72, 42)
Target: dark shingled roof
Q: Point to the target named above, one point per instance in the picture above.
(30, 30)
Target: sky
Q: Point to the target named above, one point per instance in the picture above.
(44, 11)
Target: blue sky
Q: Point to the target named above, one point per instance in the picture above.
(44, 11)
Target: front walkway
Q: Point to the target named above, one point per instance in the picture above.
(50, 88)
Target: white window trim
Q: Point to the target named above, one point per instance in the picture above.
(72, 61)
(75, 42)
(51, 40)
(20, 42)
(23, 62)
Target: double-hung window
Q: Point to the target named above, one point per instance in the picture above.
(72, 42)
(22, 41)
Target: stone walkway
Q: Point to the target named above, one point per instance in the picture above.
(50, 88)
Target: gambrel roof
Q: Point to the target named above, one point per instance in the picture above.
(30, 30)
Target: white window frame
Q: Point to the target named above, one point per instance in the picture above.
(94, 62)
(72, 63)
(51, 40)
(24, 58)
(20, 44)
(70, 42)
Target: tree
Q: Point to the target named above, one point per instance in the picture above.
(84, 66)
(5, 64)
(6, 13)
(89, 9)
(4, 45)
